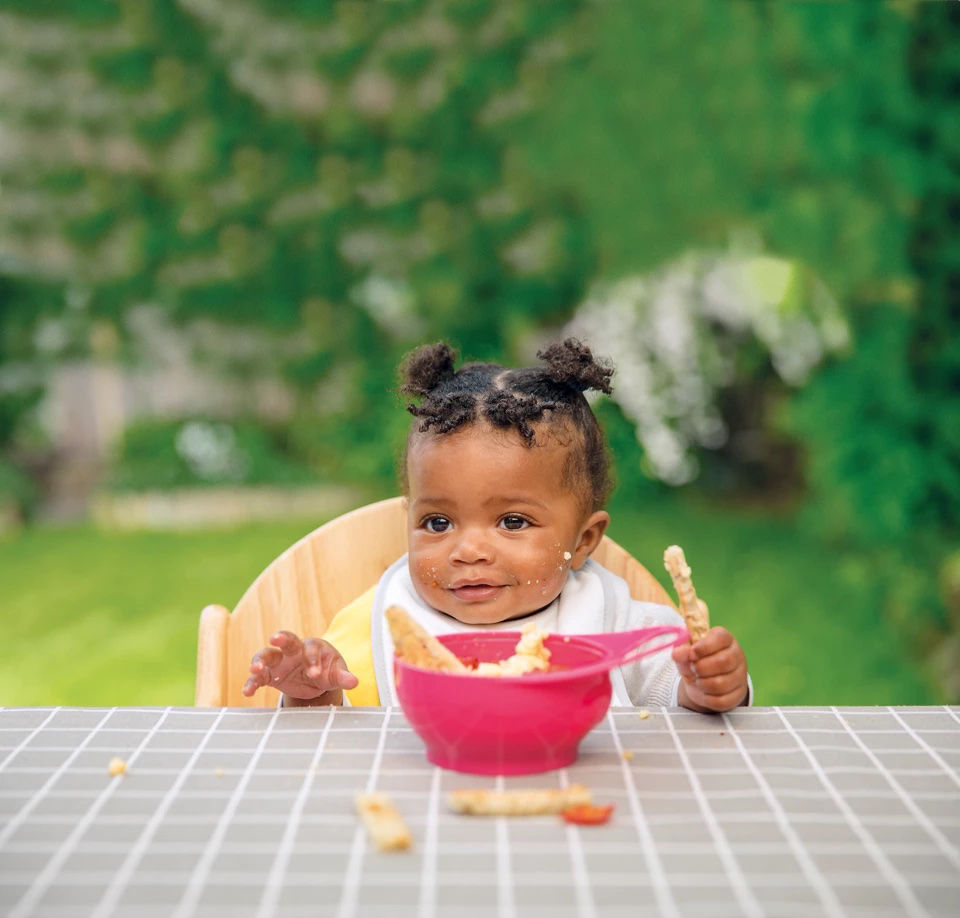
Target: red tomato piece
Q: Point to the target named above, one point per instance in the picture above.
(585, 814)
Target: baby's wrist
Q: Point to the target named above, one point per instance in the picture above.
(334, 696)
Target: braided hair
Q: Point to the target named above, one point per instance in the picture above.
(517, 398)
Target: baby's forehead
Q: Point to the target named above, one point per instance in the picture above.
(558, 431)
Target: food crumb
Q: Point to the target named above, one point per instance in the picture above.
(219, 772)
(566, 639)
(116, 767)
(644, 714)
(627, 755)
(567, 556)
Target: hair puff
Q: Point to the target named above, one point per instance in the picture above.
(570, 362)
(426, 368)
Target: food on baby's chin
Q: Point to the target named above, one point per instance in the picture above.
(529, 802)
(384, 823)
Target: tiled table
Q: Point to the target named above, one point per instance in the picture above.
(230, 813)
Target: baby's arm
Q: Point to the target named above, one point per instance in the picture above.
(713, 672)
(309, 672)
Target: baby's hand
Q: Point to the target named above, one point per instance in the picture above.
(305, 671)
(714, 672)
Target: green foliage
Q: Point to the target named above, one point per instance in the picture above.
(161, 454)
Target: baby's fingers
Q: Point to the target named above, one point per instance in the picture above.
(259, 677)
(326, 666)
(287, 642)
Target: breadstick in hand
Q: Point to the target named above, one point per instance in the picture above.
(418, 647)
(693, 610)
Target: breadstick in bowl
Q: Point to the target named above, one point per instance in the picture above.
(693, 610)
(417, 646)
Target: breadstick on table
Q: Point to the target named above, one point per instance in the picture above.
(383, 822)
(418, 647)
(693, 610)
(533, 802)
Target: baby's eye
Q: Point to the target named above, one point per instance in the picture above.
(436, 524)
(514, 523)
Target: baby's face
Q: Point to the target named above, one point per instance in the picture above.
(493, 530)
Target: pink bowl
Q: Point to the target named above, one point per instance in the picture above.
(518, 724)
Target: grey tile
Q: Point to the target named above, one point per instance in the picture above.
(71, 894)
(133, 719)
(479, 895)
(46, 759)
(144, 892)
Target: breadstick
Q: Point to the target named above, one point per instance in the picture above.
(693, 610)
(533, 802)
(418, 647)
(383, 822)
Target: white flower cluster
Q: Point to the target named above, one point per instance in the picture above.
(211, 451)
(673, 336)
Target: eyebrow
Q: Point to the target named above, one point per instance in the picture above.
(505, 499)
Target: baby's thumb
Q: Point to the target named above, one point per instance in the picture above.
(346, 679)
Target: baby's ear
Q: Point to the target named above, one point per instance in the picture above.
(591, 533)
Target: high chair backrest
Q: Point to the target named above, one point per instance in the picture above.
(303, 588)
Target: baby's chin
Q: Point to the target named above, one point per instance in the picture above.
(479, 613)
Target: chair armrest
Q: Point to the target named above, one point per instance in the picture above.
(211, 688)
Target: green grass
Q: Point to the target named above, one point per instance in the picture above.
(104, 618)
(96, 618)
(806, 616)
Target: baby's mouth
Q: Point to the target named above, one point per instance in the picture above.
(475, 592)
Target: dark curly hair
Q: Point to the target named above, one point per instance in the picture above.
(518, 398)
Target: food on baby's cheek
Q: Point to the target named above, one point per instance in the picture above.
(417, 646)
(383, 822)
(693, 610)
(116, 767)
(586, 814)
(529, 802)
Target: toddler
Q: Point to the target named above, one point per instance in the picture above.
(506, 475)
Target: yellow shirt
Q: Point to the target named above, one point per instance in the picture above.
(350, 633)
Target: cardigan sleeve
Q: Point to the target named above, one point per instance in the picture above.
(349, 631)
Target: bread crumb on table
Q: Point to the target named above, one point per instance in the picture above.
(383, 822)
(116, 767)
(644, 714)
(627, 755)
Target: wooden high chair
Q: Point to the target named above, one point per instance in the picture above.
(303, 588)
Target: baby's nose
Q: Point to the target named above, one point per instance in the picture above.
(472, 546)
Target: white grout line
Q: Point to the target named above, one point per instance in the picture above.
(17, 820)
(745, 897)
(109, 899)
(42, 881)
(951, 772)
(666, 905)
(507, 907)
(828, 897)
(278, 869)
(427, 906)
(194, 888)
(351, 879)
(905, 894)
(586, 907)
(919, 816)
